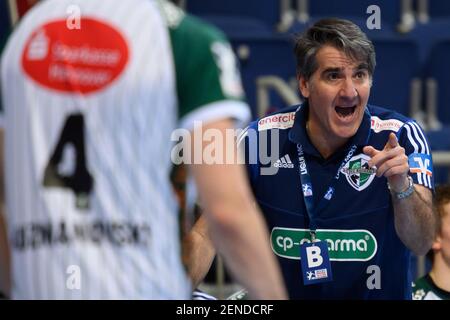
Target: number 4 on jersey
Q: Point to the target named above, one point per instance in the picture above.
(80, 181)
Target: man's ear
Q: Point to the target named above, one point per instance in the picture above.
(303, 85)
(437, 244)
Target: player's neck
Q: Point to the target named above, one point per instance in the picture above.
(440, 273)
(326, 144)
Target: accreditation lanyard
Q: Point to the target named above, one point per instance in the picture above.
(307, 188)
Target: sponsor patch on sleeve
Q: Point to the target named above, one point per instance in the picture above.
(379, 125)
(277, 121)
(420, 163)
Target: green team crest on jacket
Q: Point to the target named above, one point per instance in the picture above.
(358, 173)
(343, 245)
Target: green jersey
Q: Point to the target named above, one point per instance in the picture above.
(425, 289)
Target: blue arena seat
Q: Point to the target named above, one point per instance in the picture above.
(387, 31)
(390, 9)
(397, 65)
(267, 11)
(428, 35)
(438, 67)
(236, 27)
(438, 8)
(439, 139)
(265, 56)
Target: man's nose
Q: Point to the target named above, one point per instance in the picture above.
(348, 89)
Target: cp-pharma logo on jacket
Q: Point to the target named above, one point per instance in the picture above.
(343, 245)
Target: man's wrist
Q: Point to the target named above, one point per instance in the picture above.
(406, 192)
(399, 186)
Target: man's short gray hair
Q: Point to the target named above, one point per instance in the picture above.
(339, 33)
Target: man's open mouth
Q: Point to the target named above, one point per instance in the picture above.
(345, 111)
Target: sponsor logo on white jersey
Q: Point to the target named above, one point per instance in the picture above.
(284, 162)
(38, 48)
(277, 121)
(56, 59)
(379, 125)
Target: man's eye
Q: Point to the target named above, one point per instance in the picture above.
(333, 76)
(360, 75)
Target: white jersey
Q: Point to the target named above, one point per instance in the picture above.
(90, 102)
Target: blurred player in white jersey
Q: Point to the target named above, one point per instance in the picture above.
(92, 91)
